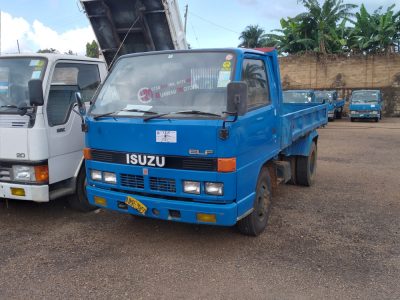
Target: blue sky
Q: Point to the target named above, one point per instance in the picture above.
(62, 25)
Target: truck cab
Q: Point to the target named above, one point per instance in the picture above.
(198, 136)
(366, 104)
(40, 136)
(335, 104)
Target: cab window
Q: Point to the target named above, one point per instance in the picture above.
(69, 78)
(254, 74)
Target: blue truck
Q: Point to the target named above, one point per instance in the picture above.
(335, 104)
(366, 104)
(198, 136)
(299, 96)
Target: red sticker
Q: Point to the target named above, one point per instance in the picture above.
(229, 57)
(145, 95)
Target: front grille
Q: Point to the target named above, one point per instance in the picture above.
(132, 181)
(5, 174)
(162, 184)
(199, 164)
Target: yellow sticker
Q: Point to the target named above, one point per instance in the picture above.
(226, 65)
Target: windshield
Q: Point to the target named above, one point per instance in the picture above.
(365, 97)
(15, 74)
(321, 96)
(297, 97)
(166, 83)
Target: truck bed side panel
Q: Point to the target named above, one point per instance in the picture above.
(298, 120)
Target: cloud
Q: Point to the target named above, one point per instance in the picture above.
(33, 37)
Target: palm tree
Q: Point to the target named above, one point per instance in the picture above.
(323, 20)
(252, 37)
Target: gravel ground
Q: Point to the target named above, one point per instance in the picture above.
(337, 240)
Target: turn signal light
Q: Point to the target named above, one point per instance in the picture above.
(87, 154)
(100, 201)
(42, 173)
(17, 192)
(227, 164)
(206, 218)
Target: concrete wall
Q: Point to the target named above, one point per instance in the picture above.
(345, 74)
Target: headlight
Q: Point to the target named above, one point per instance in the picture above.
(109, 177)
(23, 173)
(96, 175)
(191, 187)
(214, 188)
(353, 112)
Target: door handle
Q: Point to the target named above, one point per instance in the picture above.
(60, 130)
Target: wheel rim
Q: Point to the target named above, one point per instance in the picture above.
(262, 202)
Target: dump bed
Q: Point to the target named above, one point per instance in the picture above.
(130, 26)
(299, 119)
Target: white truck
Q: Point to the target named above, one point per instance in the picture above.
(41, 139)
(40, 136)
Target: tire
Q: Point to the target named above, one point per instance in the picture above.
(306, 167)
(376, 119)
(352, 119)
(339, 114)
(256, 222)
(79, 201)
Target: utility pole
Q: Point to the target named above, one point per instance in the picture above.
(186, 17)
(19, 51)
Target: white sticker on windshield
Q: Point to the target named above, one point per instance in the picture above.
(34, 62)
(166, 136)
(36, 74)
(223, 78)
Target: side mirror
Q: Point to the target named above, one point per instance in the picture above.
(237, 97)
(35, 87)
(80, 103)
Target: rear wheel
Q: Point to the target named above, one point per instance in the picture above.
(306, 167)
(339, 114)
(255, 223)
(79, 200)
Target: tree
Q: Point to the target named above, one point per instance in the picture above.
(70, 52)
(92, 49)
(375, 33)
(252, 37)
(323, 20)
(48, 50)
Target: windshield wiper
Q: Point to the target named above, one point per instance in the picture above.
(22, 109)
(121, 110)
(189, 112)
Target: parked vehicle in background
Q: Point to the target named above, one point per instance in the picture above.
(299, 96)
(198, 136)
(366, 104)
(335, 105)
(40, 136)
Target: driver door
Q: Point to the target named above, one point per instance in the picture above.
(65, 137)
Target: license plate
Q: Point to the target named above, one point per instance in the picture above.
(136, 204)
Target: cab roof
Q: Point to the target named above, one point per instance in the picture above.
(51, 57)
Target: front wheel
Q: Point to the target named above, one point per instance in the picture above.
(255, 223)
(352, 119)
(79, 201)
(306, 167)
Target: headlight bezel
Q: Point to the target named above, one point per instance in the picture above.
(218, 188)
(191, 187)
(16, 169)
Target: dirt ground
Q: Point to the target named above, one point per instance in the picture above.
(339, 239)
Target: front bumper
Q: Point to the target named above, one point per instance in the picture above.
(364, 115)
(226, 214)
(36, 193)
